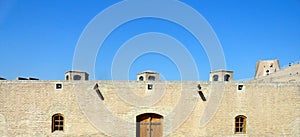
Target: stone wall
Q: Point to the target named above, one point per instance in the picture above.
(26, 107)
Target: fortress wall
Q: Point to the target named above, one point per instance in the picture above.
(26, 107)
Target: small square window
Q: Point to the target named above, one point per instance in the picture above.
(58, 86)
(150, 86)
(240, 87)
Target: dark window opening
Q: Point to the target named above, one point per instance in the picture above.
(202, 95)
(150, 86)
(77, 77)
(152, 78)
(240, 87)
(141, 78)
(226, 77)
(58, 86)
(199, 86)
(268, 72)
(96, 88)
(215, 78)
(67, 77)
(99, 94)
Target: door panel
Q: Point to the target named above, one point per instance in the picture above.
(149, 125)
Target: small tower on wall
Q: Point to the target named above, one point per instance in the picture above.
(76, 75)
(221, 75)
(148, 76)
(266, 67)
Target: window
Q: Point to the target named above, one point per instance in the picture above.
(57, 122)
(215, 78)
(77, 77)
(152, 78)
(202, 95)
(226, 77)
(141, 78)
(67, 77)
(240, 124)
(58, 86)
(240, 87)
(150, 86)
(268, 72)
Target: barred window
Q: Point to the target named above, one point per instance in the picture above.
(57, 122)
(240, 124)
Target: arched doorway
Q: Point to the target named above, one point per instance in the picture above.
(149, 125)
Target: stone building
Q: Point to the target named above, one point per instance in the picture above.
(268, 105)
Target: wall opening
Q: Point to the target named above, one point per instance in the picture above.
(240, 87)
(77, 77)
(57, 122)
(141, 78)
(226, 77)
(240, 124)
(150, 86)
(58, 86)
(151, 78)
(215, 78)
(149, 125)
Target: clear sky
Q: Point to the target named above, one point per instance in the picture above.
(38, 37)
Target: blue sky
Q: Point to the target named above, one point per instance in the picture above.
(38, 38)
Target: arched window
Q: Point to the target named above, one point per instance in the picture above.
(77, 77)
(152, 78)
(215, 78)
(226, 77)
(141, 78)
(67, 77)
(240, 124)
(57, 122)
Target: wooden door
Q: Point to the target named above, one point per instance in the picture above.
(149, 125)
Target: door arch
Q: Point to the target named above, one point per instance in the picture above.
(149, 125)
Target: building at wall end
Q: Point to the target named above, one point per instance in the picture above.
(266, 67)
